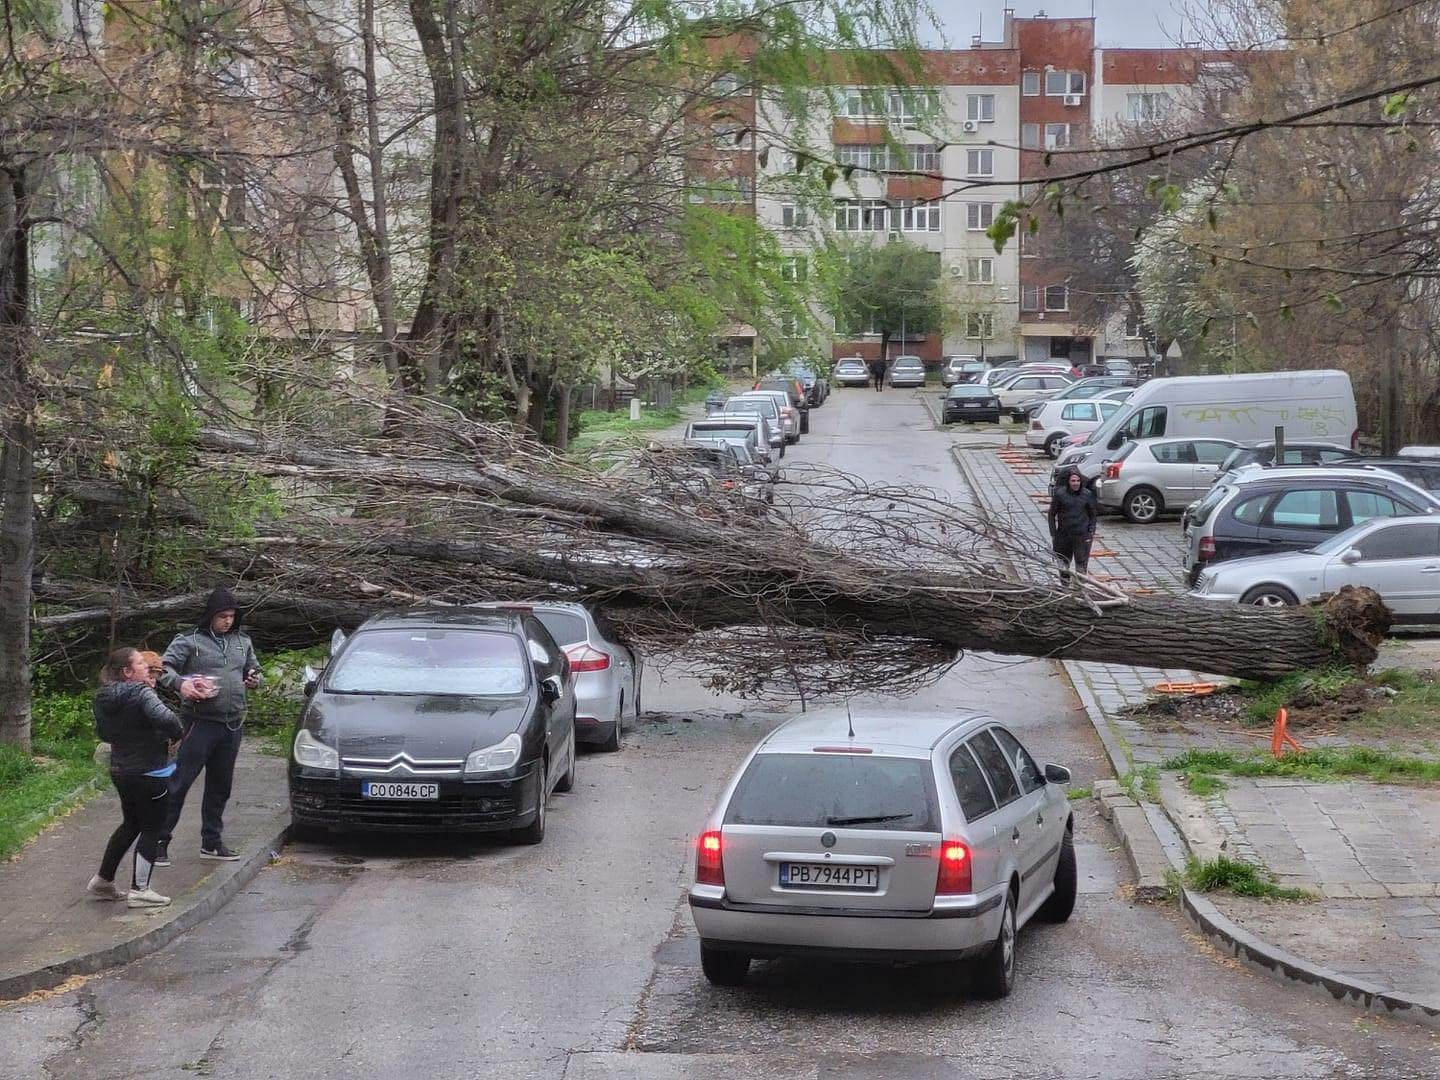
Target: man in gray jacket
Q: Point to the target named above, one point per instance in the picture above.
(211, 668)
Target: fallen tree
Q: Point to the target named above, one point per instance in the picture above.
(843, 586)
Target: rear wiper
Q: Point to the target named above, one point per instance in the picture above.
(866, 820)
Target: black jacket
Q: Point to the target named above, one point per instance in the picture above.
(139, 728)
(1073, 513)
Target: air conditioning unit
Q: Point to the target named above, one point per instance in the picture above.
(895, 238)
(957, 270)
(1004, 296)
(1074, 99)
(970, 125)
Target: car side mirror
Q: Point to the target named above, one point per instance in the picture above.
(1350, 555)
(1057, 774)
(551, 690)
(312, 679)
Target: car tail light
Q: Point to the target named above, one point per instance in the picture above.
(1355, 439)
(787, 411)
(1207, 548)
(1112, 471)
(954, 876)
(585, 657)
(1036, 425)
(709, 863)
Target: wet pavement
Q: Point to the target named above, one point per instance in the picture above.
(577, 959)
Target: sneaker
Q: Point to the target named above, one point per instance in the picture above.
(220, 853)
(104, 890)
(162, 853)
(145, 898)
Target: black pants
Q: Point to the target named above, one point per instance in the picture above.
(213, 747)
(1072, 546)
(142, 802)
(879, 381)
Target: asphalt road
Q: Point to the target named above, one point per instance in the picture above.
(577, 960)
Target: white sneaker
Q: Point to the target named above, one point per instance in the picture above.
(146, 898)
(104, 890)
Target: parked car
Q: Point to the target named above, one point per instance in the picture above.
(1088, 389)
(709, 468)
(905, 371)
(460, 720)
(1055, 420)
(920, 838)
(1149, 478)
(607, 673)
(779, 412)
(817, 387)
(997, 374)
(1423, 472)
(764, 408)
(751, 431)
(970, 402)
(962, 369)
(1262, 511)
(794, 392)
(851, 371)
(1397, 557)
(1027, 386)
(1116, 365)
(1301, 453)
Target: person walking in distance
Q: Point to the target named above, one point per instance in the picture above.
(1072, 517)
(211, 668)
(130, 716)
(877, 373)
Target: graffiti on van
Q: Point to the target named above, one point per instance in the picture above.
(1318, 419)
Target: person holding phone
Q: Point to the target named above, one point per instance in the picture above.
(210, 668)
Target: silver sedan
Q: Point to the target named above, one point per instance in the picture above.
(1397, 557)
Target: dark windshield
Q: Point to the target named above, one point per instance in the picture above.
(565, 627)
(971, 391)
(819, 790)
(1207, 505)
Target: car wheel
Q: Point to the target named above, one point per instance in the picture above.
(535, 831)
(612, 741)
(724, 968)
(1052, 444)
(1057, 909)
(1142, 505)
(1270, 596)
(995, 971)
(567, 782)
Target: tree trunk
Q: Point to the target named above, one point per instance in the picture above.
(563, 401)
(17, 464)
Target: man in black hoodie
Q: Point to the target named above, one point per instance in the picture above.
(1073, 515)
(211, 668)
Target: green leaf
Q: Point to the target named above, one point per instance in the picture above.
(1287, 313)
(1169, 196)
(1395, 105)
(1334, 302)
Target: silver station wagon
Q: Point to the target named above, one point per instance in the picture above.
(916, 839)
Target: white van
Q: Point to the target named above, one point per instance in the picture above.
(1309, 405)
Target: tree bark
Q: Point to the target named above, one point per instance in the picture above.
(563, 400)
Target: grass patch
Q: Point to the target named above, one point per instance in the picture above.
(1239, 879)
(1078, 793)
(1321, 764)
(1142, 783)
(1268, 698)
(597, 426)
(1204, 784)
(37, 789)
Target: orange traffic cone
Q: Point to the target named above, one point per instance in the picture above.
(1281, 738)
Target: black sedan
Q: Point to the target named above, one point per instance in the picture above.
(436, 721)
(970, 402)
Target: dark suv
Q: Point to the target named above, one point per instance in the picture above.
(1262, 511)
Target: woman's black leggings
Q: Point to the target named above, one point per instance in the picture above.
(142, 801)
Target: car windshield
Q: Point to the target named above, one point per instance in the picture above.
(719, 431)
(971, 391)
(423, 660)
(763, 406)
(819, 790)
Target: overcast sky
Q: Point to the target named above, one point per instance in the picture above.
(1118, 23)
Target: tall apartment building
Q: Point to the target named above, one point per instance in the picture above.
(989, 113)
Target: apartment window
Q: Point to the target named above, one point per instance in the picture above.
(979, 162)
(980, 271)
(864, 155)
(860, 215)
(1030, 83)
(1030, 298)
(1030, 136)
(912, 104)
(979, 324)
(726, 85)
(1142, 107)
(793, 268)
(794, 215)
(789, 324)
(922, 157)
(1057, 298)
(1059, 136)
(980, 107)
(855, 102)
(1060, 83)
(979, 216)
(915, 216)
(1134, 328)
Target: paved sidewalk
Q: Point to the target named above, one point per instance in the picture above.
(50, 928)
(1369, 852)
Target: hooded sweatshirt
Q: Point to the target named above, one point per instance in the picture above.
(137, 725)
(1073, 512)
(224, 658)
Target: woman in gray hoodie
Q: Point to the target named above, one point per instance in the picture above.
(130, 716)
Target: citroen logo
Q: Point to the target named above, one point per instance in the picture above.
(827, 839)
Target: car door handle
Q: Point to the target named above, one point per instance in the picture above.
(1015, 836)
(1039, 819)
(1430, 570)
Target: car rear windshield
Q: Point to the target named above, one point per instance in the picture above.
(821, 790)
(763, 406)
(422, 660)
(720, 431)
(971, 390)
(1213, 498)
(565, 626)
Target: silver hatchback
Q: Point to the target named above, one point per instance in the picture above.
(919, 839)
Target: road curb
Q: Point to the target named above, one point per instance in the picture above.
(215, 894)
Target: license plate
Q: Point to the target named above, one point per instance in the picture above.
(827, 876)
(390, 789)
(972, 404)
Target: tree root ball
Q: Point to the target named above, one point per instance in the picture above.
(1356, 622)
